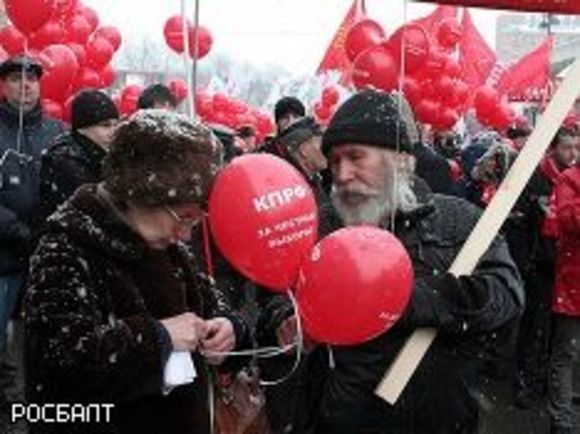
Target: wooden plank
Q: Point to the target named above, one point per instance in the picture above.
(406, 362)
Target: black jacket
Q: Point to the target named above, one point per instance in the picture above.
(472, 313)
(433, 168)
(95, 294)
(72, 161)
(19, 180)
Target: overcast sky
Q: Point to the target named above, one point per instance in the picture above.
(291, 33)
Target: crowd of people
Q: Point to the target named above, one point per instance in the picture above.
(104, 255)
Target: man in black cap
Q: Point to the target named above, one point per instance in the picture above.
(287, 111)
(24, 133)
(369, 142)
(75, 159)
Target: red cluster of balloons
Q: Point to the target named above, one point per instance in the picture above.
(65, 36)
(352, 286)
(221, 109)
(174, 37)
(492, 110)
(325, 108)
(419, 62)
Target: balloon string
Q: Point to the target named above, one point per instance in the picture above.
(186, 63)
(20, 133)
(269, 352)
(207, 248)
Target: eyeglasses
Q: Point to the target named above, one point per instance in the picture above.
(187, 222)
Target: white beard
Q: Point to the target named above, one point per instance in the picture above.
(377, 206)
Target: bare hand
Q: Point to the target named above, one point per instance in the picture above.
(287, 332)
(185, 330)
(220, 338)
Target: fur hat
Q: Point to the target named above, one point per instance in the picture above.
(371, 118)
(159, 157)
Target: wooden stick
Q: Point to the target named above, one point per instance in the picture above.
(406, 362)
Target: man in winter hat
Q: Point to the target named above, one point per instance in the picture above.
(76, 157)
(287, 111)
(369, 143)
(25, 132)
(115, 299)
(157, 96)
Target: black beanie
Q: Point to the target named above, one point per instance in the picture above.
(91, 107)
(369, 117)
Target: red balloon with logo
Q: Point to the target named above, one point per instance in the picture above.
(376, 67)
(29, 15)
(354, 285)
(415, 41)
(263, 217)
(362, 36)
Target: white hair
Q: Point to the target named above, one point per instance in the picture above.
(361, 205)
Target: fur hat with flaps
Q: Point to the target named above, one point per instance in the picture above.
(160, 157)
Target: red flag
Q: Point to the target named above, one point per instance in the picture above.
(552, 6)
(476, 57)
(530, 74)
(335, 57)
(431, 22)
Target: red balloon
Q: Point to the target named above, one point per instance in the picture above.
(376, 67)
(452, 68)
(80, 52)
(87, 78)
(503, 116)
(435, 64)
(204, 42)
(173, 32)
(99, 52)
(111, 34)
(12, 40)
(486, 100)
(52, 108)
(354, 286)
(446, 120)
(3, 55)
(362, 36)
(322, 111)
(60, 68)
(330, 96)
(461, 93)
(29, 15)
(50, 33)
(416, 43)
(275, 219)
(203, 104)
(78, 30)
(221, 102)
(108, 76)
(412, 90)
(90, 15)
(128, 106)
(449, 33)
(131, 92)
(65, 9)
(264, 123)
(427, 111)
(444, 87)
(179, 89)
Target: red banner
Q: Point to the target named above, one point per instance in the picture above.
(335, 57)
(476, 57)
(530, 76)
(552, 6)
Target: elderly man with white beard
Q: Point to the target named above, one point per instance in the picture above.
(369, 147)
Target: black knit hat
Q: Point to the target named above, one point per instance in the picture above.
(288, 105)
(19, 63)
(369, 117)
(160, 157)
(91, 107)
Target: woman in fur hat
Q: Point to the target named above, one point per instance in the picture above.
(114, 295)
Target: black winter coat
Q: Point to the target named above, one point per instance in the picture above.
(472, 314)
(19, 180)
(73, 160)
(434, 169)
(95, 294)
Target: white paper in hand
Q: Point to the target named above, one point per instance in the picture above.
(179, 370)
